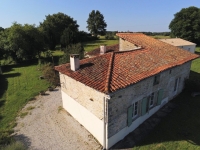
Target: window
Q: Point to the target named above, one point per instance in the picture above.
(176, 84)
(135, 109)
(133, 112)
(156, 79)
(151, 100)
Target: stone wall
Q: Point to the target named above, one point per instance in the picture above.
(122, 99)
(88, 97)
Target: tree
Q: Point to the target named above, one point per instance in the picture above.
(96, 23)
(1, 29)
(186, 24)
(22, 42)
(72, 49)
(50, 75)
(54, 26)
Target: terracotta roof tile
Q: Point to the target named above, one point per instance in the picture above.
(112, 71)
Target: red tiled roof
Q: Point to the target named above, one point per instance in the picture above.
(96, 52)
(112, 71)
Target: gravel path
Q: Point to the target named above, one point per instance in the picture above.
(48, 127)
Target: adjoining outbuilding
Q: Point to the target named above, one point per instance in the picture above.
(113, 93)
(181, 43)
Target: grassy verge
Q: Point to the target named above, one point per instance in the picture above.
(181, 128)
(19, 84)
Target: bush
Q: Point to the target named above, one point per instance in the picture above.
(72, 49)
(50, 74)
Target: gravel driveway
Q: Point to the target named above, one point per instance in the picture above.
(48, 127)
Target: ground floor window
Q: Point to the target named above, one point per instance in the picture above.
(151, 100)
(141, 107)
(135, 109)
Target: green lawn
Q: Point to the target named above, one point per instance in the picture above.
(88, 46)
(19, 84)
(161, 37)
(181, 128)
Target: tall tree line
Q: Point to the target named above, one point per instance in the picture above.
(25, 42)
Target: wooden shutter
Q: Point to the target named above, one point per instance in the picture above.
(160, 96)
(144, 106)
(129, 115)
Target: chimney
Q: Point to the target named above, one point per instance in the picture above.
(102, 49)
(74, 62)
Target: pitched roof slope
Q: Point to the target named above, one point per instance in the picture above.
(93, 71)
(112, 71)
(177, 42)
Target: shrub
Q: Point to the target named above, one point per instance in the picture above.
(72, 49)
(50, 74)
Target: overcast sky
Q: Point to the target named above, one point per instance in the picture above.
(120, 15)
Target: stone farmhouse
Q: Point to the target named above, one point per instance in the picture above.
(186, 45)
(113, 93)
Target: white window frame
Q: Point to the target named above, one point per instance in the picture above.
(135, 110)
(151, 100)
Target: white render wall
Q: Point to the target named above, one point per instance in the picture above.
(122, 99)
(190, 48)
(84, 104)
(93, 124)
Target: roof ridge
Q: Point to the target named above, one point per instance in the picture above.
(132, 50)
(107, 84)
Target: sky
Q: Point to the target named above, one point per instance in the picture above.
(120, 15)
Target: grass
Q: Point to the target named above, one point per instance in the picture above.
(19, 84)
(14, 146)
(95, 44)
(161, 37)
(23, 114)
(181, 128)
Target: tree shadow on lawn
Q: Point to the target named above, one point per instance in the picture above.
(3, 86)
(182, 124)
(24, 139)
(198, 53)
(195, 76)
